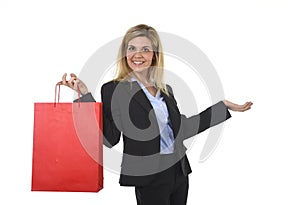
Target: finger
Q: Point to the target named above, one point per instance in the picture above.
(76, 84)
(240, 108)
(71, 82)
(248, 106)
(64, 81)
(247, 103)
(73, 75)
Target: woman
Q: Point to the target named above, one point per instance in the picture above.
(138, 105)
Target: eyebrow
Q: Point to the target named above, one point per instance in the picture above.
(142, 46)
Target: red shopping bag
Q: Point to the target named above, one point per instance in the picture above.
(67, 147)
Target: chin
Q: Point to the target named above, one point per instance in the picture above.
(139, 69)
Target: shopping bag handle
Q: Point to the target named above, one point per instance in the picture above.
(57, 93)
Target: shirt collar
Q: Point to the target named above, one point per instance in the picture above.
(133, 79)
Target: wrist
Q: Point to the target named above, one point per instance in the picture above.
(84, 93)
(225, 102)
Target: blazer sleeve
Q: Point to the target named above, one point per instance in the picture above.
(111, 135)
(86, 98)
(111, 116)
(198, 123)
(210, 117)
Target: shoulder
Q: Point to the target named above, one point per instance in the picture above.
(169, 89)
(109, 85)
(171, 94)
(107, 89)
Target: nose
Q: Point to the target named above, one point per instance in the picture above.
(138, 54)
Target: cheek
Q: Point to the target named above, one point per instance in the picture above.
(128, 57)
(150, 57)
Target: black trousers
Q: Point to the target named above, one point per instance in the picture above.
(170, 187)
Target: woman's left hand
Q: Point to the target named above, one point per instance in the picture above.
(239, 108)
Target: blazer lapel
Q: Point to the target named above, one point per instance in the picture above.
(173, 114)
(137, 94)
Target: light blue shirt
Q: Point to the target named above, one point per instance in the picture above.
(163, 120)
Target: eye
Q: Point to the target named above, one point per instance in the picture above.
(146, 49)
(131, 48)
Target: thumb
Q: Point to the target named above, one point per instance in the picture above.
(76, 86)
(73, 75)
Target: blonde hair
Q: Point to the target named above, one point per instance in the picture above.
(156, 70)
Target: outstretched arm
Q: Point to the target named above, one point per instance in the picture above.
(210, 117)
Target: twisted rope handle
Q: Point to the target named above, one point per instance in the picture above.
(57, 93)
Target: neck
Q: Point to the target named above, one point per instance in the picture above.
(142, 77)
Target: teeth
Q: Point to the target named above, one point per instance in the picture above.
(137, 62)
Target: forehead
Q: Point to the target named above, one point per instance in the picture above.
(140, 41)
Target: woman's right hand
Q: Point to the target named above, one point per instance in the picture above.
(75, 83)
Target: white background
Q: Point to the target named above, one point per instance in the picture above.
(254, 46)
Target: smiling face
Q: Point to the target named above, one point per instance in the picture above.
(139, 54)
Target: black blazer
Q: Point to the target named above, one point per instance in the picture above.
(127, 110)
